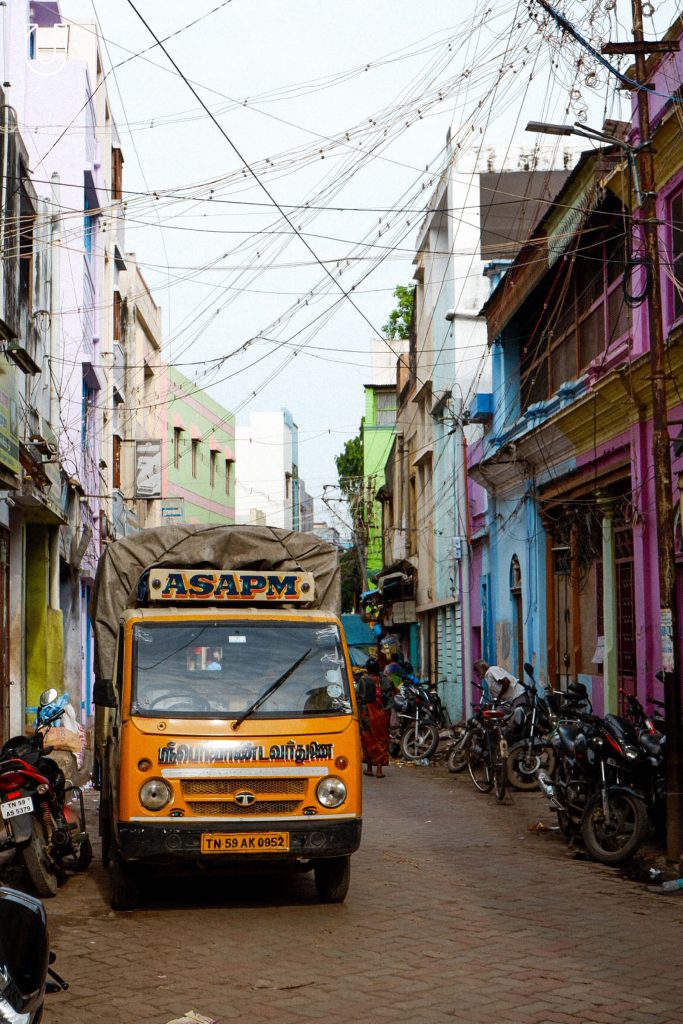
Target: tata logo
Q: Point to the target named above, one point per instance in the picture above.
(245, 799)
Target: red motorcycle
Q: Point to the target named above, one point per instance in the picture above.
(41, 815)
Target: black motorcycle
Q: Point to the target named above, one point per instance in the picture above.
(591, 792)
(416, 732)
(25, 958)
(529, 747)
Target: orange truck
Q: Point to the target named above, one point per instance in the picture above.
(226, 725)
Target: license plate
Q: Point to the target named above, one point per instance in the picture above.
(245, 842)
(24, 805)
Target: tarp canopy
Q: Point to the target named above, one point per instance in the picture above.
(259, 548)
(357, 630)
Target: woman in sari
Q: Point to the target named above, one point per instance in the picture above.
(374, 719)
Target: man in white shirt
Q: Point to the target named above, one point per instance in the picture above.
(501, 684)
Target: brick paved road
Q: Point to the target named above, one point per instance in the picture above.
(456, 913)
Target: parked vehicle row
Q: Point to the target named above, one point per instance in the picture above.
(42, 815)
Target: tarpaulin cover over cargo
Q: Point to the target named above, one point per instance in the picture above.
(260, 548)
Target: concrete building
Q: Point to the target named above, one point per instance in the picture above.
(268, 470)
(198, 455)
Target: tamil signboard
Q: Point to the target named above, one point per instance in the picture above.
(148, 469)
(9, 440)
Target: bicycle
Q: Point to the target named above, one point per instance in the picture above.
(487, 753)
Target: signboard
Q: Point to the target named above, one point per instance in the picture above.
(230, 587)
(148, 469)
(173, 509)
(9, 441)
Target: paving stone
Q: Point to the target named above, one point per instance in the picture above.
(456, 914)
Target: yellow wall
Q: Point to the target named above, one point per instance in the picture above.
(44, 629)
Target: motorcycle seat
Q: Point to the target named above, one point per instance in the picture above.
(651, 744)
(567, 733)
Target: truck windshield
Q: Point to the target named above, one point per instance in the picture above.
(219, 669)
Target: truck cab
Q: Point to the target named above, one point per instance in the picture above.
(230, 738)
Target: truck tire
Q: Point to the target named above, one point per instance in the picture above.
(332, 877)
(125, 885)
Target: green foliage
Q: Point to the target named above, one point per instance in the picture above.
(350, 466)
(398, 324)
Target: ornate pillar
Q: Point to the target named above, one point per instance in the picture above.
(609, 604)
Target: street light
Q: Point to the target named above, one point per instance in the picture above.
(595, 135)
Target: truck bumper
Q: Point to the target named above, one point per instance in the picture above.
(162, 843)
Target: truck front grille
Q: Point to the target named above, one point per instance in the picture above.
(225, 808)
(216, 797)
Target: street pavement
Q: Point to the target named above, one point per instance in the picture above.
(456, 913)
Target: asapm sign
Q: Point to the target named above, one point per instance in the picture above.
(229, 586)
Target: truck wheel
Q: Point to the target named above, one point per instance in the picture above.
(125, 887)
(332, 877)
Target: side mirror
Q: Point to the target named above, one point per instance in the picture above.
(103, 695)
(24, 951)
(529, 669)
(47, 697)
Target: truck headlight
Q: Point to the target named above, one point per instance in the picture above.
(155, 794)
(331, 791)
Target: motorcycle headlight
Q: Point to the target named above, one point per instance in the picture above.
(331, 791)
(10, 1015)
(155, 794)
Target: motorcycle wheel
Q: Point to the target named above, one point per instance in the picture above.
(457, 757)
(39, 867)
(522, 764)
(419, 741)
(479, 765)
(83, 855)
(615, 841)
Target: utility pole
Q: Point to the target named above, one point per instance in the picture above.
(661, 456)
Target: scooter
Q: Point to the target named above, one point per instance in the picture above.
(25, 959)
(41, 816)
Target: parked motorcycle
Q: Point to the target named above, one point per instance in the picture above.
(462, 733)
(589, 793)
(25, 959)
(528, 737)
(41, 816)
(416, 735)
(648, 770)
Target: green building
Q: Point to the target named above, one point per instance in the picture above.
(198, 465)
(378, 435)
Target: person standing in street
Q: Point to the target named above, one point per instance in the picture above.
(502, 686)
(374, 718)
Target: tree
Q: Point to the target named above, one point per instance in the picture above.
(350, 469)
(398, 324)
(352, 583)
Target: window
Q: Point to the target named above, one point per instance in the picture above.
(117, 316)
(116, 173)
(88, 228)
(229, 466)
(385, 408)
(195, 452)
(177, 432)
(586, 313)
(677, 254)
(116, 461)
(27, 218)
(212, 468)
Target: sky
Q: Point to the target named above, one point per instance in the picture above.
(274, 234)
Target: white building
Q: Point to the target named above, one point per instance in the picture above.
(267, 470)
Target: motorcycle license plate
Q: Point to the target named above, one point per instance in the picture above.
(245, 842)
(10, 809)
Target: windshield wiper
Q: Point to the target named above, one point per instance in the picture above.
(271, 689)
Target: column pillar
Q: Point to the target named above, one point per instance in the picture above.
(609, 604)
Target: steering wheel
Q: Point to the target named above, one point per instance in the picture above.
(197, 703)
